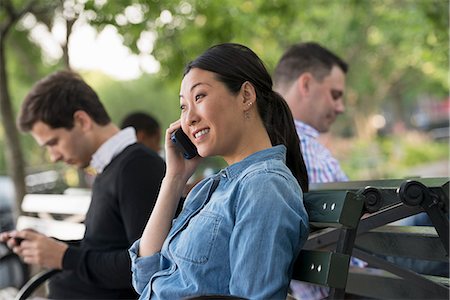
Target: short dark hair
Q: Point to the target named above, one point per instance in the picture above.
(141, 122)
(234, 64)
(306, 57)
(54, 100)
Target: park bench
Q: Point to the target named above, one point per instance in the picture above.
(387, 248)
(354, 219)
(339, 210)
(55, 215)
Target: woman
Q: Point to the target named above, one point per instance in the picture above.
(241, 229)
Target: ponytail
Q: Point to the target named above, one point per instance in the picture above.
(279, 123)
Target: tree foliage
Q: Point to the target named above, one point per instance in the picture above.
(393, 46)
(397, 49)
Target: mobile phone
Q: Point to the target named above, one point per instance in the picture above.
(180, 139)
(18, 240)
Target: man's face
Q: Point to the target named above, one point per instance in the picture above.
(325, 100)
(70, 146)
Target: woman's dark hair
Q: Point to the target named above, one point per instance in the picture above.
(54, 100)
(235, 64)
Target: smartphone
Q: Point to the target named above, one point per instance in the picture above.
(18, 240)
(180, 139)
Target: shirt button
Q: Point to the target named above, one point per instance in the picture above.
(224, 175)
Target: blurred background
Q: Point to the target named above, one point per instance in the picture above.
(132, 52)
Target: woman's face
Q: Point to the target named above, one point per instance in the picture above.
(210, 114)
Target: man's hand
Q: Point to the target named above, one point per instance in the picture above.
(7, 238)
(37, 249)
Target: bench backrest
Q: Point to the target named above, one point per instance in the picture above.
(417, 251)
(383, 193)
(55, 215)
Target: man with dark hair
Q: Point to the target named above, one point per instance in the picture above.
(312, 81)
(148, 131)
(65, 115)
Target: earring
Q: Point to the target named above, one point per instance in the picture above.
(247, 113)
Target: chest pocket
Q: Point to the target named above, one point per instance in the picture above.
(195, 243)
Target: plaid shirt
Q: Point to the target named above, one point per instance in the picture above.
(322, 167)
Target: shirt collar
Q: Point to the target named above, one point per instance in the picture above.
(276, 152)
(306, 129)
(113, 146)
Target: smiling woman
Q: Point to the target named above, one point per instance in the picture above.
(230, 222)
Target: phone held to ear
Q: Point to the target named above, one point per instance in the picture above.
(180, 139)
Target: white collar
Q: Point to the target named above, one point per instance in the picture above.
(113, 146)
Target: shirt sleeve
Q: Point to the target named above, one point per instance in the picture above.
(106, 269)
(142, 268)
(138, 187)
(271, 226)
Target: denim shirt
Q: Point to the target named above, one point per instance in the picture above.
(242, 241)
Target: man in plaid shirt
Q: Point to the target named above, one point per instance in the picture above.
(312, 81)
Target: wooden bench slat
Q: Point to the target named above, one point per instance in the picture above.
(59, 229)
(379, 284)
(419, 242)
(57, 204)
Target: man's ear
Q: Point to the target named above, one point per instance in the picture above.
(304, 83)
(82, 119)
(248, 94)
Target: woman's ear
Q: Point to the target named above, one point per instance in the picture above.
(248, 94)
(83, 120)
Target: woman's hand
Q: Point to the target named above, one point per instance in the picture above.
(177, 165)
(178, 171)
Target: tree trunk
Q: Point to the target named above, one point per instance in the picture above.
(14, 156)
(66, 59)
(65, 46)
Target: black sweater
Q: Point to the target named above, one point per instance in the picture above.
(123, 197)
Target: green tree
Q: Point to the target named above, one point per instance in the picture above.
(392, 45)
(11, 12)
(9, 16)
(397, 49)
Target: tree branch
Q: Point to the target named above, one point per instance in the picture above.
(13, 16)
